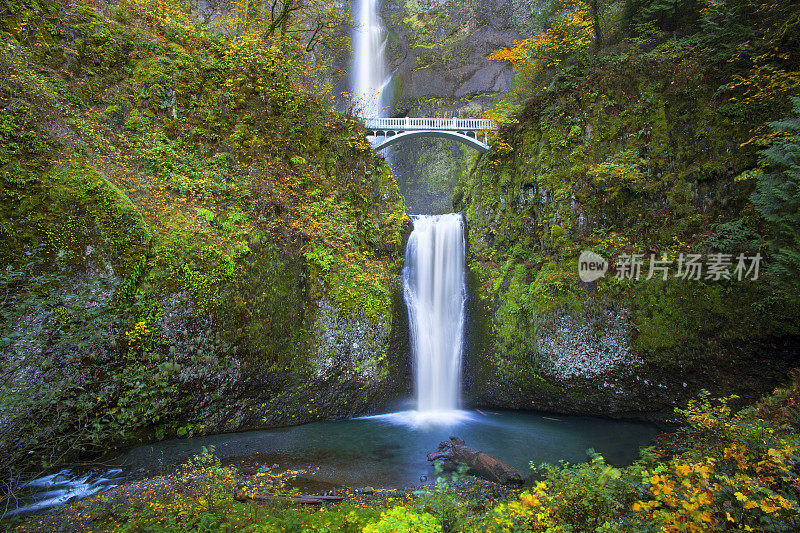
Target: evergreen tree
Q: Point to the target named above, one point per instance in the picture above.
(777, 196)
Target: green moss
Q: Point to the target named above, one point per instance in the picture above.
(621, 158)
(195, 167)
(525, 298)
(266, 306)
(76, 212)
(678, 316)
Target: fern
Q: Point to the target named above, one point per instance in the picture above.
(794, 417)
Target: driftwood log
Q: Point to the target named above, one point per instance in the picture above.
(455, 451)
(242, 496)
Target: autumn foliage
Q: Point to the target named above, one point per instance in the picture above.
(569, 35)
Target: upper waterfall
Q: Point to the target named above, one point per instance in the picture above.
(435, 293)
(369, 41)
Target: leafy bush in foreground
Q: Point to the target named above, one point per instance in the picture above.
(740, 472)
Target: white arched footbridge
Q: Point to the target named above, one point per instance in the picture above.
(474, 132)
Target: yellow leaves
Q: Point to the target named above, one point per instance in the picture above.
(705, 498)
(139, 331)
(690, 505)
(518, 52)
(766, 83)
(503, 147)
(782, 502)
(529, 500)
(768, 507)
(535, 509)
(741, 490)
(776, 457)
(682, 496)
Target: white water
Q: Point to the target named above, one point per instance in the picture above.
(56, 489)
(435, 293)
(369, 41)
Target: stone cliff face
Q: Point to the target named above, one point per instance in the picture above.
(185, 248)
(437, 52)
(457, 80)
(199, 381)
(588, 362)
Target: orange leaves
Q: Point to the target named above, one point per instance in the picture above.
(765, 83)
(570, 35)
(744, 487)
(572, 32)
(766, 72)
(535, 509)
(529, 500)
(518, 52)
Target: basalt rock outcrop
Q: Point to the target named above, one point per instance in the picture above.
(437, 53)
(169, 264)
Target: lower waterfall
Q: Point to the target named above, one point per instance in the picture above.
(435, 294)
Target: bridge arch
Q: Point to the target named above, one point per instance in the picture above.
(384, 132)
(379, 143)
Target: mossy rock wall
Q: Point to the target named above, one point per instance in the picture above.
(192, 242)
(637, 153)
(437, 53)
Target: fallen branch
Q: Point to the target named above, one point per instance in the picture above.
(319, 499)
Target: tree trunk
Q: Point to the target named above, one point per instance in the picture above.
(598, 35)
(455, 451)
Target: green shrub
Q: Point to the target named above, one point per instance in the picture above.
(402, 520)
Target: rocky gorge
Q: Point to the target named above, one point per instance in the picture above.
(539, 337)
(159, 273)
(437, 53)
(198, 238)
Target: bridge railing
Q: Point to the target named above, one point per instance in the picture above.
(409, 123)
